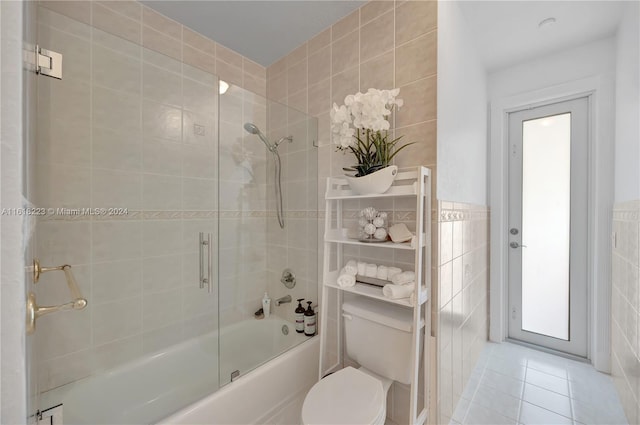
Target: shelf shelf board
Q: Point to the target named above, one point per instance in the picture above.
(337, 236)
(370, 291)
(393, 192)
(404, 185)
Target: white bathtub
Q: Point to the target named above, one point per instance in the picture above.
(152, 388)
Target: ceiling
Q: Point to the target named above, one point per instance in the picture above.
(263, 31)
(507, 33)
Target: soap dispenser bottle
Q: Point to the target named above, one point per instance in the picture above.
(266, 305)
(299, 314)
(309, 321)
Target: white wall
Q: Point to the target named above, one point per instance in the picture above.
(590, 67)
(462, 111)
(627, 145)
(12, 307)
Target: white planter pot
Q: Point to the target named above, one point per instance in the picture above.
(374, 183)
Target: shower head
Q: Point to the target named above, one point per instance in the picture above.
(253, 129)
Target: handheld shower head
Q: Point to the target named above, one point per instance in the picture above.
(251, 128)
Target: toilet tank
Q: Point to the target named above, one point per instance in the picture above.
(378, 337)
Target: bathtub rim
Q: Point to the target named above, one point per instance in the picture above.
(179, 416)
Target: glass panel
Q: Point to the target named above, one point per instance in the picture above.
(130, 129)
(254, 248)
(546, 196)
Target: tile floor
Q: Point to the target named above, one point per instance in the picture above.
(517, 385)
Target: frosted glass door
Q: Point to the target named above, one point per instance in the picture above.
(547, 228)
(546, 187)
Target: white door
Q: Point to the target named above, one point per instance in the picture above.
(548, 175)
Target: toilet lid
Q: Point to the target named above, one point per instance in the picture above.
(345, 397)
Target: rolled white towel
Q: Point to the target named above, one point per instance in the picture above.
(394, 292)
(346, 280)
(404, 278)
(392, 272)
(371, 270)
(383, 273)
(351, 267)
(362, 268)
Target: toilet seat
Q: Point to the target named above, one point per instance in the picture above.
(348, 396)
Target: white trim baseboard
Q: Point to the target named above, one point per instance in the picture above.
(600, 91)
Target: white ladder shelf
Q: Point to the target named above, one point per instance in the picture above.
(409, 183)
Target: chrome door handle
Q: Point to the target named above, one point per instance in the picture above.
(201, 245)
(205, 279)
(209, 262)
(516, 245)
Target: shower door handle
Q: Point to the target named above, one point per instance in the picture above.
(205, 279)
(209, 262)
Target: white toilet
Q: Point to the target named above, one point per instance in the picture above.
(378, 337)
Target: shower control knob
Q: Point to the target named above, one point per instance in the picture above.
(516, 245)
(513, 231)
(288, 279)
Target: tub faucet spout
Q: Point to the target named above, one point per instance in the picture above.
(283, 300)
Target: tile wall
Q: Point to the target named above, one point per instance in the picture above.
(384, 44)
(133, 124)
(296, 245)
(143, 26)
(625, 332)
(462, 297)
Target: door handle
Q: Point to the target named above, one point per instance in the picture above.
(201, 244)
(205, 277)
(516, 245)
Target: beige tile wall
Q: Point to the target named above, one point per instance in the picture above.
(144, 26)
(296, 245)
(384, 44)
(625, 343)
(462, 298)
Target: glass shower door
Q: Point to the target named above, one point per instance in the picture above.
(257, 243)
(126, 166)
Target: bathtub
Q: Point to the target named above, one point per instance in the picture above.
(154, 387)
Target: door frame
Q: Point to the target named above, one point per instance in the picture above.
(599, 91)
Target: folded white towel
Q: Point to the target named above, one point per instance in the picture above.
(383, 273)
(392, 272)
(351, 267)
(346, 280)
(397, 291)
(404, 278)
(371, 270)
(362, 268)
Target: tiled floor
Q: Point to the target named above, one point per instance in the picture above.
(518, 385)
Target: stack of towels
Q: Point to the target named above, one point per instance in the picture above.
(401, 285)
(347, 276)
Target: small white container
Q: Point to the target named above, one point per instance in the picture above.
(266, 305)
